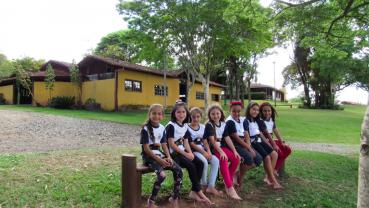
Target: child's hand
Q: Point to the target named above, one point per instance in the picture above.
(207, 155)
(237, 155)
(253, 153)
(190, 156)
(223, 156)
(276, 148)
(164, 163)
(169, 160)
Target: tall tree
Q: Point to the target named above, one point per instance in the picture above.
(134, 47)
(324, 47)
(198, 33)
(76, 79)
(363, 192)
(50, 79)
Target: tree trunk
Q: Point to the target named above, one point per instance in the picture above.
(301, 58)
(18, 93)
(206, 91)
(363, 192)
(249, 90)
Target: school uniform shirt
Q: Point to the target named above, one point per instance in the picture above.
(177, 132)
(255, 127)
(219, 132)
(234, 126)
(197, 135)
(158, 137)
(270, 125)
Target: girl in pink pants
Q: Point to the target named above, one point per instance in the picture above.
(222, 147)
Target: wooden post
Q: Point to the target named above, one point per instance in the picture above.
(130, 184)
(282, 171)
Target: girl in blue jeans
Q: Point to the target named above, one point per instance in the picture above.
(201, 149)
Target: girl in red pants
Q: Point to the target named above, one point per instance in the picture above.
(268, 114)
(222, 147)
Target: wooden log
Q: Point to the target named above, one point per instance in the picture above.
(130, 182)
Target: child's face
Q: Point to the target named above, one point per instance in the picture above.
(235, 111)
(254, 111)
(180, 114)
(156, 115)
(267, 112)
(195, 118)
(215, 115)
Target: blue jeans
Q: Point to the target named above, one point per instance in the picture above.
(214, 162)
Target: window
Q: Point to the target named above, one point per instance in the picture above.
(215, 97)
(161, 90)
(200, 96)
(132, 85)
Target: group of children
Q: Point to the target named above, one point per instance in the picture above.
(226, 144)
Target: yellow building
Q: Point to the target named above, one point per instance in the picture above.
(116, 85)
(62, 85)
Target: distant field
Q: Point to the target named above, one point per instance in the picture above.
(297, 125)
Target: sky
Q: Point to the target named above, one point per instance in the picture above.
(68, 29)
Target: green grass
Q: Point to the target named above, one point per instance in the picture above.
(296, 125)
(91, 178)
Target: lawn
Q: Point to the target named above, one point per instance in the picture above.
(91, 178)
(296, 125)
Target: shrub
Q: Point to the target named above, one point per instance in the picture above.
(92, 105)
(62, 102)
(2, 99)
(257, 96)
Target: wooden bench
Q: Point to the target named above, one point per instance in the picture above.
(131, 181)
(286, 105)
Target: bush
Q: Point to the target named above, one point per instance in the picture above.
(92, 105)
(62, 102)
(2, 99)
(257, 96)
(328, 107)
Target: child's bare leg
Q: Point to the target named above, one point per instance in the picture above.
(269, 170)
(243, 169)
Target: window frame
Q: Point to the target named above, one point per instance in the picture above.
(133, 87)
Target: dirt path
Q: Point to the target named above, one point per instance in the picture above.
(37, 132)
(31, 132)
(329, 148)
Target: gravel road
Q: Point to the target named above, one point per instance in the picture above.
(36, 132)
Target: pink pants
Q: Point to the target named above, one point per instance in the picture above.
(283, 154)
(226, 170)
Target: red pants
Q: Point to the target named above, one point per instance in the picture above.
(226, 170)
(283, 154)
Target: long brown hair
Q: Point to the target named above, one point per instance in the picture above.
(175, 108)
(248, 115)
(265, 104)
(213, 107)
(148, 122)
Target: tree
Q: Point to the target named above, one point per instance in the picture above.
(323, 53)
(6, 67)
(23, 79)
(50, 79)
(363, 192)
(76, 80)
(197, 33)
(134, 47)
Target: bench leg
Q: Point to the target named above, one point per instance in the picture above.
(130, 182)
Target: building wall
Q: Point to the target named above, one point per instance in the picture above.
(197, 87)
(41, 94)
(147, 95)
(103, 91)
(7, 91)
